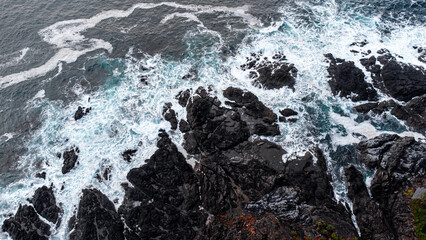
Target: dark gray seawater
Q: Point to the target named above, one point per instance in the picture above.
(56, 55)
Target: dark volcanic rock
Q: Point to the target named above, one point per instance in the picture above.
(236, 176)
(26, 225)
(164, 202)
(45, 203)
(170, 115)
(70, 158)
(368, 215)
(271, 74)
(303, 196)
(81, 111)
(260, 119)
(183, 97)
(212, 127)
(400, 80)
(348, 81)
(96, 218)
(401, 164)
(128, 154)
(413, 113)
(184, 126)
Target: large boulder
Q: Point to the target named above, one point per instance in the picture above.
(347, 80)
(164, 200)
(26, 225)
(96, 218)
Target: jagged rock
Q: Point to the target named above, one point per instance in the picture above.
(400, 80)
(212, 127)
(273, 74)
(347, 80)
(369, 217)
(96, 218)
(128, 154)
(70, 158)
(413, 113)
(404, 81)
(26, 225)
(303, 196)
(41, 175)
(170, 115)
(45, 203)
(260, 119)
(234, 177)
(184, 126)
(183, 97)
(164, 202)
(401, 164)
(81, 111)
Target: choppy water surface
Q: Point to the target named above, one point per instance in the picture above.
(57, 56)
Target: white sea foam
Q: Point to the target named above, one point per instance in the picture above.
(13, 58)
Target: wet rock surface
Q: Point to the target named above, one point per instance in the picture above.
(164, 200)
(400, 164)
(272, 73)
(400, 80)
(44, 202)
(347, 80)
(96, 218)
(26, 225)
(170, 115)
(412, 113)
(129, 154)
(369, 216)
(81, 111)
(70, 159)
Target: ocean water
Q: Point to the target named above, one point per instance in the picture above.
(59, 55)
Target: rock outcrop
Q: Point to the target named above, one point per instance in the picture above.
(271, 73)
(400, 80)
(96, 218)
(400, 164)
(44, 202)
(26, 225)
(347, 80)
(164, 200)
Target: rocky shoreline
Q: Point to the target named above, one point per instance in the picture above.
(240, 188)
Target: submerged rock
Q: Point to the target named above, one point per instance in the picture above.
(271, 74)
(45, 203)
(26, 225)
(70, 159)
(96, 218)
(347, 80)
